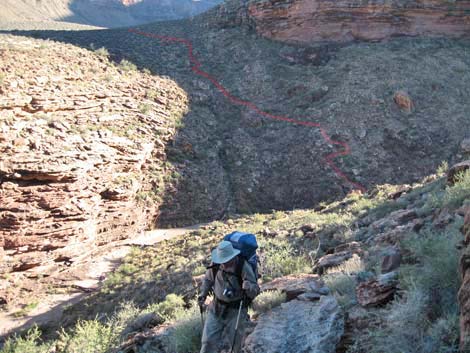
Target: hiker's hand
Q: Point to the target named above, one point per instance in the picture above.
(201, 300)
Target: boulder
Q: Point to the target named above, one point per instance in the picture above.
(332, 260)
(298, 326)
(296, 285)
(394, 219)
(403, 100)
(391, 260)
(341, 254)
(377, 292)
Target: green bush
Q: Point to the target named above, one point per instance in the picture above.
(452, 196)
(102, 52)
(343, 286)
(437, 271)
(89, 336)
(280, 259)
(170, 308)
(26, 344)
(127, 66)
(186, 336)
(268, 300)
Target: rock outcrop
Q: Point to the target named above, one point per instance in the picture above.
(308, 21)
(296, 285)
(378, 291)
(464, 292)
(82, 145)
(298, 326)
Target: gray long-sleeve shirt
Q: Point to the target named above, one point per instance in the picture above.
(226, 279)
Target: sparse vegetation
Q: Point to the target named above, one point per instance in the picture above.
(452, 196)
(267, 301)
(27, 309)
(127, 66)
(145, 108)
(425, 319)
(186, 336)
(103, 52)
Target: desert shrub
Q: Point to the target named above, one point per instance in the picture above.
(408, 330)
(91, 336)
(127, 66)
(437, 271)
(102, 52)
(351, 266)
(343, 286)
(443, 168)
(280, 258)
(452, 196)
(457, 193)
(186, 335)
(168, 309)
(27, 344)
(145, 108)
(268, 300)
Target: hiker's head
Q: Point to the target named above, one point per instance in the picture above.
(224, 253)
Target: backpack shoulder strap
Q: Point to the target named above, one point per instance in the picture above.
(239, 269)
(214, 268)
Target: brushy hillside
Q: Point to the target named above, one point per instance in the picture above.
(420, 221)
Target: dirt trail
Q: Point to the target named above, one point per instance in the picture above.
(90, 273)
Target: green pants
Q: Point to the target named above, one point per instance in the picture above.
(221, 329)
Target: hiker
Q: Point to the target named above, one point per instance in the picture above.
(234, 284)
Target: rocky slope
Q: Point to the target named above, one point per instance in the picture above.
(102, 13)
(307, 21)
(83, 156)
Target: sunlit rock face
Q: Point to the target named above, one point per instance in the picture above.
(345, 20)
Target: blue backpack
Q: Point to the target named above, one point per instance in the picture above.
(246, 243)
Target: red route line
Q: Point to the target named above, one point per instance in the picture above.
(346, 150)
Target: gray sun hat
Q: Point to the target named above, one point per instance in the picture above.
(224, 253)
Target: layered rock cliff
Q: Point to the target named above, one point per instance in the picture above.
(308, 21)
(82, 146)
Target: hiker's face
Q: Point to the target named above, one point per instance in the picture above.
(230, 263)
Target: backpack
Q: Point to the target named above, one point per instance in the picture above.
(246, 243)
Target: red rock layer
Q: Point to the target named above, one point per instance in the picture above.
(308, 21)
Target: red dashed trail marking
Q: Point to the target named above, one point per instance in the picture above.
(328, 159)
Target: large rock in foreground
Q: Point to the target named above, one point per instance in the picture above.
(308, 21)
(298, 326)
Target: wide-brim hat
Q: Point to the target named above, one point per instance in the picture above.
(224, 252)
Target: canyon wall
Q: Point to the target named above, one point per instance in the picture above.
(308, 21)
